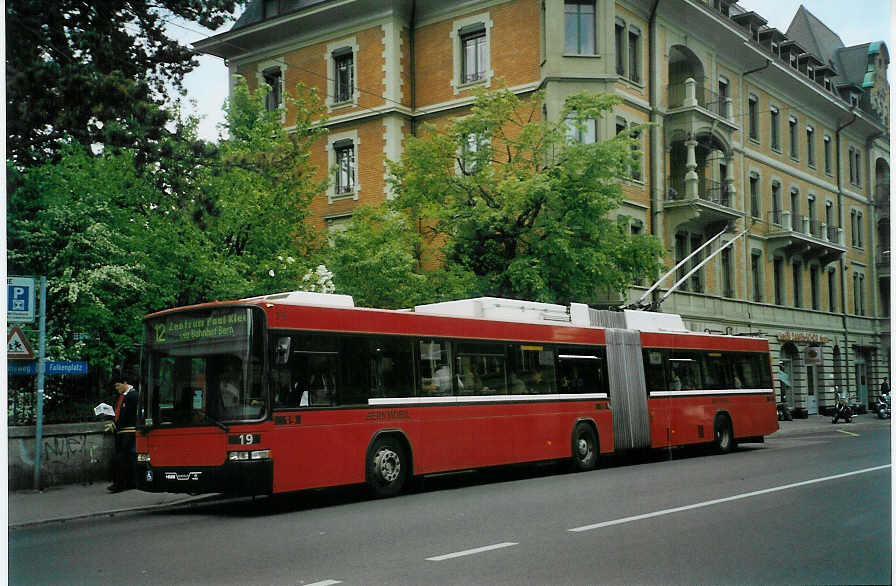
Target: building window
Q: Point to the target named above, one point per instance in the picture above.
(634, 54)
(855, 166)
(681, 252)
(778, 276)
(345, 167)
(474, 53)
(776, 203)
(755, 212)
(723, 97)
(753, 114)
(860, 240)
(794, 208)
(727, 285)
(827, 155)
(342, 84)
(473, 149)
(775, 129)
(813, 217)
(810, 146)
(583, 131)
(471, 48)
(861, 294)
(813, 286)
(797, 284)
(344, 65)
(794, 139)
(620, 46)
(579, 27)
(636, 154)
(756, 275)
(697, 277)
(832, 291)
(273, 76)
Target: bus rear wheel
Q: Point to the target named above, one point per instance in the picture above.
(387, 467)
(724, 435)
(584, 447)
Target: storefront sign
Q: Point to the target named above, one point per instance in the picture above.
(803, 338)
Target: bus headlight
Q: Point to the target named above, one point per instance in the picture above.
(143, 457)
(253, 455)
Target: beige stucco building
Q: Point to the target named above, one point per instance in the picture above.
(784, 133)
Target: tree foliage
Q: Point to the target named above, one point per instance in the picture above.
(521, 206)
(117, 238)
(95, 72)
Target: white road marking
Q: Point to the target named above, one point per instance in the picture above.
(848, 432)
(324, 583)
(458, 554)
(722, 500)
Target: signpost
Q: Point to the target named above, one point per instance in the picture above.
(20, 299)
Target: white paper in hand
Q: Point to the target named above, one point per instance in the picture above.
(104, 409)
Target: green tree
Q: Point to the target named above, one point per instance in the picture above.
(95, 72)
(522, 205)
(118, 238)
(375, 259)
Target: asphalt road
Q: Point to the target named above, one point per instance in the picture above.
(802, 509)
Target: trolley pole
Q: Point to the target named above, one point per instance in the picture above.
(41, 370)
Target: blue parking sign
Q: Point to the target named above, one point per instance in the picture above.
(20, 299)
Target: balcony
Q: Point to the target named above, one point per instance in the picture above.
(805, 236)
(691, 106)
(882, 260)
(703, 204)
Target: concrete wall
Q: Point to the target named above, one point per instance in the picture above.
(70, 454)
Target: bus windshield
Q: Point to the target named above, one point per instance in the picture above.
(203, 367)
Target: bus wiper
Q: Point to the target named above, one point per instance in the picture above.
(212, 419)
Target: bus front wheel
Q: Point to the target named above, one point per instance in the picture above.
(387, 467)
(584, 447)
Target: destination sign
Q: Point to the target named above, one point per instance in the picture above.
(191, 327)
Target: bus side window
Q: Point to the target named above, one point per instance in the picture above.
(684, 371)
(435, 367)
(531, 369)
(480, 368)
(654, 375)
(715, 372)
(582, 370)
(391, 362)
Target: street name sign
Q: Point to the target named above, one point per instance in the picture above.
(20, 299)
(53, 367)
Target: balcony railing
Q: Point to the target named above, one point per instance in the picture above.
(707, 190)
(704, 97)
(805, 225)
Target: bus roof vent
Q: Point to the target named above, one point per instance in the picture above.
(308, 298)
(499, 309)
(650, 321)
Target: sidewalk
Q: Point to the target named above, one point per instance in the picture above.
(75, 501)
(70, 502)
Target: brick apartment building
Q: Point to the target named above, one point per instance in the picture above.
(782, 132)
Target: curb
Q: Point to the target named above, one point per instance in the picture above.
(183, 503)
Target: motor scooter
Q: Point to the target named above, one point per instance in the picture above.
(842, 410)
(883, 406)
(784, 413)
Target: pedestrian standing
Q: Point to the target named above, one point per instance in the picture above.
(124, 462)
(885, 387)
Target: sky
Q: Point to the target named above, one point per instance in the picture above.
(855, 21)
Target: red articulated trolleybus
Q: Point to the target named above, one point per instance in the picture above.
(303, 390)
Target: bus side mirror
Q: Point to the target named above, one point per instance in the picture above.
(281, 353)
